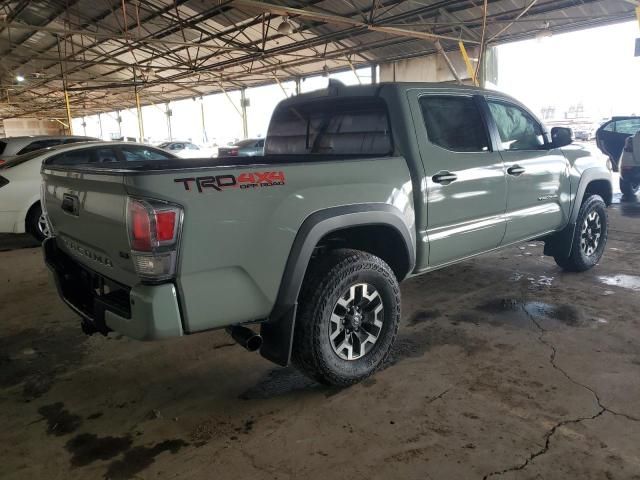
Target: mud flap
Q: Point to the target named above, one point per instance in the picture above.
(559, 244)
(277, 337)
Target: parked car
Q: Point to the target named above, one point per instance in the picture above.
(611, 136)
(360, 187)
(185, 149)
(20, 180)
(245, 148)
(584, 132)
(630, 166)
(12, 147)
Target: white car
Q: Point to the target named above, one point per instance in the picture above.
(186, 149)
(20, 180)
(12, 147)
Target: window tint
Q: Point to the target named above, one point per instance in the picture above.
(629, 126)
(345, 126)
(517, 129)
(454, 123)
(40, 144)
(74, 157)
(176, 146)
(260, 144)
(191, 146)
(136, 153)
(105, 155)
(611, 127)
(3, 145)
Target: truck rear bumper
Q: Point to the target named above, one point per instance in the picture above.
(143, 312)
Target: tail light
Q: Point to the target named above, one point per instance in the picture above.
(2, 162)
(233, 152)
(628, 145)
(154, 230)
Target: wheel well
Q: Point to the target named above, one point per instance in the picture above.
(599, 187)
(383, 241)
(26, 218)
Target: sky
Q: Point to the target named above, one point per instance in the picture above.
(595, 67)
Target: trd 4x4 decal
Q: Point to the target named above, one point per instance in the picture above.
(244, 180)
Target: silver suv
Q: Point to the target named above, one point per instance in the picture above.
(13, 146)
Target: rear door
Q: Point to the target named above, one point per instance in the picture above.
(537, 175)
(612, 135)
(465, 181)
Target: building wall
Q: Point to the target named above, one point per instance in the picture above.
(15, 127)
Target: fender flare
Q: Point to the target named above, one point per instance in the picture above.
(277, 330)
(560, 243)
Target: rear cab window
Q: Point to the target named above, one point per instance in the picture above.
(111, 157)
(454, 123)
(340, 126)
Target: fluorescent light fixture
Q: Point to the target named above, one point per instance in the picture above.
(20, 78)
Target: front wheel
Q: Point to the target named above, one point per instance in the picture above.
(629, 189)
(349, 317)
(589, 238)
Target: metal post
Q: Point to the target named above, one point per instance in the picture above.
(119, 120)
(167, 112)
(139, 109)
(204, 127)
(298, 81)
(243, 105)
(66, 102)
(84, 125)
(100, 125)
(374, 73)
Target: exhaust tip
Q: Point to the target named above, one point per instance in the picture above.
(245, 337)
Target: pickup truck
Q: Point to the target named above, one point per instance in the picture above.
(359, 188)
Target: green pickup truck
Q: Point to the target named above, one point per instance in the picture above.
(359, 188)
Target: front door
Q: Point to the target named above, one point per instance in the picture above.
(464, 178)
(537, 174)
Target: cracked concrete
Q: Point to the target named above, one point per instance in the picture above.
(505, 368)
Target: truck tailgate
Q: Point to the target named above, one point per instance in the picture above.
(88, 215)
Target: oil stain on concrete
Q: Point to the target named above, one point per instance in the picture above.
(59, 420)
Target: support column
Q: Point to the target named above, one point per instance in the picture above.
(243, 105)
(66, 102)
(100, 125)
(139, 109)
(374, 73)
(204, 125)
(167, 112)
(298, 81)
(119, 120)
(84, 125)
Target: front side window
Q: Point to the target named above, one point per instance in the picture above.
(518, 130)
(74, 157)
(105, 155)
(629, 126)
(136, 153)
(39, 145)
(341, 126)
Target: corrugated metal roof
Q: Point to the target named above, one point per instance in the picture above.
(188, 47)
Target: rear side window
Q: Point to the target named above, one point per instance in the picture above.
(454, 123)
(518, 130)
(74, 157)
(341, 126)
(629, 126)
(143, 154)
(39, 145)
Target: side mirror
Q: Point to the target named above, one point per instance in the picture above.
(561, 137)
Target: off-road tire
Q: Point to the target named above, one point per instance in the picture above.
(32, 223)
(578, 260)
(629, 189)
(326, 281)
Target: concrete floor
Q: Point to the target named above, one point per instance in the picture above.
(505, 367)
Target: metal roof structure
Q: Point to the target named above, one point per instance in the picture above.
(103, 50)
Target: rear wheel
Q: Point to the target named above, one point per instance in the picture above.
(36, 223)
(629, 189)
(589, 238)
(349, 316)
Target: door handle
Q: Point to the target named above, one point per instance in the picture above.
(444, 178)
(516, 170)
